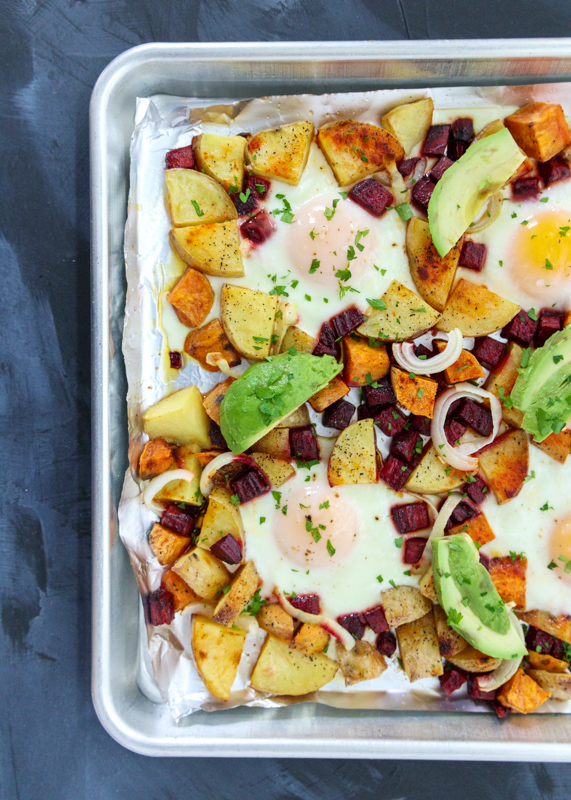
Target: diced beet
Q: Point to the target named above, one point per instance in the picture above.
(423, 350)
(326, 344)
(346, 321)
(452, 679)
(182, 522)
(338, 415)
(558, 650)
(365, 411)
(246, 202)
(413, 549)
(258, 228)
(410, 517)
(395, 473)
(477, 490)
(180, 158)
(176, 359)
(353, 624)
(408, 446)
(386, 643)
(456, 149)
(436, 140)
(550, 322)
(473, 255)
(390, 420)
(485, 561)
(501, 711)
(556, 169)
(372, 196)
(227, 549)
(216, 436)
(454, 430)
(260, 186)
(381, 394)
(465, 510)
(249, 484)
(376, 620)
(489, 352)
(303, 443)
(476, 416)
(462, 129)
(474, 690)
(420, 424)
(525, 188)
(406, 167)
(521, 329)
(306, 602)
(440, 168)
(539, 641)
(160, 607)
(422, 192)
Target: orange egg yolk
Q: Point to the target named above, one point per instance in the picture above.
(560, 547)
(541, 255)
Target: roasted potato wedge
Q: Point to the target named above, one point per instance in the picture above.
(191, 298)
(426, 586)
(273, 619)
(354, 457)
(416, 393)
(431, 476)
(401, 315)
(220, 518)
(475, 310)
(473, 660)
(298, 339)
(433, 275)
(213, 399)
(286, 317)
(521, 693)
(476, 527)
(557, 445)
(182, 593)
(505, 464)
(213, 248)
(418, 648)
(244, 584)
(211, 338)
(217, 651)
(281, 153)
(362, 663)
(276, 469)
(560, 626)
(221, 157)
(310, 639)
(546, 662)
(248, 318)
(409, 122)
(558, 685)
(356, 149)
(363, 363)
(403, 604)
(450, 643)
(205, 574)
(503, 377)
(196, 199)
(509, 577)
(275, 443)
(330, 394)
(180, 418)
(540, 129)
(166, 544)
(155, 459)
(297, 418)
(281, 670)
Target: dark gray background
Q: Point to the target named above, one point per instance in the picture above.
(51, 745)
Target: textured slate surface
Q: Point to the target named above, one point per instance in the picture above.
(51, 744)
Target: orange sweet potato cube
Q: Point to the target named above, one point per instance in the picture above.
(414, 392)
(167, 545)
(213, 399)
(508, 576)
(466, 368)
(310, 639)
(521, 693)
(155, 459)
(557, 445)
(192, 297)
(329, 394)
(363, 364)
(540, 129)
(180, 590)
(476, 527)
(210, 339)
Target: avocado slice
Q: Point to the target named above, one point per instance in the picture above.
(543, 387)
(270, 390)
(466, 592)
(464, 188)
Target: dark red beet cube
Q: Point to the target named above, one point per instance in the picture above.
(422, 192)
(176, 359)
(420, 424)
(476, 416)
(353, 624)
(452, 679)
(423, 350)
(440, 168)
(338, 415)
(259, 186)
(462, 129)
(539, 641)
(246, 201)
(258, 228)
(456, 149)
(390, 420)
(525, 189)
(489, 352)
(408, 446)
(410, 517)
(406, 167)
(501, 711)
(521, 329)
(180, 158)
(473, 255)
(436, 140)
(386, 643)
(376, 620)
(454, 430)
(216, 436)
(160, 607)
(556, 169)
(227, 549)
(485, 561)
(413, 549)
(347, 321)
(372, 196)
(477, 490)
(381, 394)
(549, 323)
(306, 602)
(326, 344)
(249, 484)
(303, 443)
(558, 650)
(474, 690)
(365, 411)
(179, 521)
(395, 473)
(465, 510)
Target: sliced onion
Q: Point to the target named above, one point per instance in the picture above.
(218, 360)
(490, 213)
(417, 173)
(217, 463)
(437, 530)
(383, 177)
(405, 357)
(330, 625)
(509, 666)
(158, 483)
(460, 457)
(398, 185)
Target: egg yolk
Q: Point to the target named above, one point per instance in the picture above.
(325, 239)
(560, 547)
(319, 530)
(541, 254)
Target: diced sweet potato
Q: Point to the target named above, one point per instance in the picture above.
(450, 643)
(505, 464)
(192, 298)
(521, 693)
(476, 527)
(213, 399)
(546, 662)
(540, 129)
(415, 393)
(508, 576)
(501, 380)
(363, 663)
(210, 339)
(310, 639)
(418, 647)
(180, 590)
(560, 626)
(155, 459)
(403, 604)
(273, 619)
(557, 445)
(466, 368)
(167, 545)
(363, 364)
(245, 583)
(329, 394)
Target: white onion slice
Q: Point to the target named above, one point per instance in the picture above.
(460, 457)
(217, 360)
(509, 666)
(330, 625)
(437, 530)
(158, 483)
(417, 173)
(490, 213)
(217, 463)
(405, 357)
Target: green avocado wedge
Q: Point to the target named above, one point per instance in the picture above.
(461, 192)
(466, 593)
(270, 390)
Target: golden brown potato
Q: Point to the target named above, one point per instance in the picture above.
(182, 594)
(401, 315)
(432, 274)
(275, 443)
(426, 586)
(281, 670)
(415, 393)
(273, 619)
(503, 378)
(466, 368)
(505, 464)
(310, 639)
(196, 199)
(248, 318)
(509, 576)
(475, 310)
(546, 662)
(557, 445)
(167, 545)
(362, 663)
(183, 491)
(418, 648)
(155, 459)
(363, 364)
(298, 339)
(476, 527)
(432, 476)
(409, 122)
(473, 660)
(276, 469)
(213, 399)
(192, 298)
(354, 457)
(330, 394)
(450, 643)
(245, 583)
(297, 419)
(560, 626)
(558, 685)
(403, 604)
(281, 153)
(204, 573)
(356, 149)
(521, 693)
(217, 651)
(540, 129)
(211, 338)
(221, 157)
(213, 248)
(220, 518)
(286, 317)
(180, 418)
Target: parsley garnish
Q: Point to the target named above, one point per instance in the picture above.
(199, 211)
